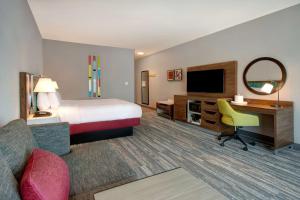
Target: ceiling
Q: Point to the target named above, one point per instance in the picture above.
(144, 25)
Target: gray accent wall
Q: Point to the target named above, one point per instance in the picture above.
(67, 63)
(20, 50)
(276, 35)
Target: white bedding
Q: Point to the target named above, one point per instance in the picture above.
(83, 111)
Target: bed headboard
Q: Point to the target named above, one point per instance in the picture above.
(27, 96)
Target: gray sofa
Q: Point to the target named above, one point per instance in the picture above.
(93, 166)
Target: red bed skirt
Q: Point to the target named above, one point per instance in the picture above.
(104, 125)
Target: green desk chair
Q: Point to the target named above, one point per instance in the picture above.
(231, 117)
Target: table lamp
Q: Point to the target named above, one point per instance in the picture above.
(53, 97)
(268, 88)
(55, 85)
(43, 87)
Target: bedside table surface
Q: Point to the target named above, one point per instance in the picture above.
(54, 118)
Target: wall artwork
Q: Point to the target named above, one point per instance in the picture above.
(178, 74)
(174, 75)
(170, 75)
(94, 76)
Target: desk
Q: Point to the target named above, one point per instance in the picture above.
(277, 123)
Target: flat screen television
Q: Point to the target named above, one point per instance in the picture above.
(208, 81)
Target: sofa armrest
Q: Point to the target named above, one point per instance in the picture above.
(54, 137)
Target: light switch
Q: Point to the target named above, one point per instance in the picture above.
(126, 83)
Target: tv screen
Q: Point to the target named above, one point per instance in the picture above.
(210, 81)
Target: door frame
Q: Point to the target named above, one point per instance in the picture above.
(147, 87)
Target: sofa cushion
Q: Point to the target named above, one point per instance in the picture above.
(16, 144)
(94, 166)
(46, 176)
(53, 137)
(8, 183)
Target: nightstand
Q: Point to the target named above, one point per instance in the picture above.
(54, 118)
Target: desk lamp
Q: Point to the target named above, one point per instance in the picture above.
(268, 88)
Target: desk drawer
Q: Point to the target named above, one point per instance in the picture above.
(209, 105)
(211, 115)
(210, 124)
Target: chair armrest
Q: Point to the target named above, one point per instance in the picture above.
(54, 137)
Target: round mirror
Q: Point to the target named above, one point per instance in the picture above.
(264, 76)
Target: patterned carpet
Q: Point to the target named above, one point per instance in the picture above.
(160, 144)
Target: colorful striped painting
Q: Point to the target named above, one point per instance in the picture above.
(94, 76)
(99, 77)
(90, 76)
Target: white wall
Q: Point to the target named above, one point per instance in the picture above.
(276, 35)
(20, 50)
(67, 63)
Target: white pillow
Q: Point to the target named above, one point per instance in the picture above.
(54, 100)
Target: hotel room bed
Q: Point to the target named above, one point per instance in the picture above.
(99, 118)
(89, 120)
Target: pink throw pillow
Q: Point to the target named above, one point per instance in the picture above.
(46, 177)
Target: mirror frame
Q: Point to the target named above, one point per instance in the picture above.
(280, 65)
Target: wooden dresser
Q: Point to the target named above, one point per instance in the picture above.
(210, 116)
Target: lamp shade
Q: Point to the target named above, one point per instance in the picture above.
(44, 85)
(267, 88)
(55, 85)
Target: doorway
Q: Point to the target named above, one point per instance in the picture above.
(145, 87)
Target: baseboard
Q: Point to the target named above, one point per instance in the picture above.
(296, 146)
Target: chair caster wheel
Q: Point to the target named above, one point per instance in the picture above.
(222, 145)
(245, 148)
(252, 143)
(219, 137)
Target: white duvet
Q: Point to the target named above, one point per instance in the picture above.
(83, 111)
